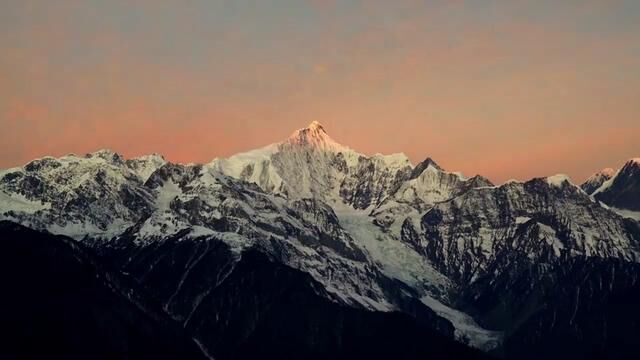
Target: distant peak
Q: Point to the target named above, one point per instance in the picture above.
(314, 129)
(631, 167)
(606, 174)
(424, 165)
(430, 162)
(607, 171)
(481, 181)
(596, 180)
(634, 161)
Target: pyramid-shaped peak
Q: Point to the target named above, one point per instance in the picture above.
(316, 126)
(602, 175)
(430, 162)
(313, 129)
(421, 167)
(314, 136)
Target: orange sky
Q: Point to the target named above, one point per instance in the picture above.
(507, 89)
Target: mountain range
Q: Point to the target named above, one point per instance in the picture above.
(308, 249)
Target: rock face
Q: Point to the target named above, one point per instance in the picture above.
(100, 194)
(548, 310)
(251, 304)
(58, 303)
(232, 249)
(546, 222)
(623, 189)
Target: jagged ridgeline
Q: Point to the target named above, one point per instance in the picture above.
(309, 249)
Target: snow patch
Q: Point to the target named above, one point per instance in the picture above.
(160, 224)
(236, 242)
(234, 165)
(18, 203)
(166, 194)
(607, 171)
(79, 231)
(605, 185)
(460, 175)
(512, 181)
(396, 259)
(394, 161)
(466, 328)
(549, 234)
(635, 215)
(145, 166)
(558, 180)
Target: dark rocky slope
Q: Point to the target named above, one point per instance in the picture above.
(248, 305)
(583, 308)
(60, 303)
(624, 190)
(57, 303)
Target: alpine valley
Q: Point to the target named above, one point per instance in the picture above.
(307, 249)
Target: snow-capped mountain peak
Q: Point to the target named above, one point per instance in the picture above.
(596, 180)
(607, 171)
(315, 136)
(315, 125)
(425, 164)
(559, 180)
(631, 169)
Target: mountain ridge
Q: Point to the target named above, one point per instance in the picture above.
(375, 232)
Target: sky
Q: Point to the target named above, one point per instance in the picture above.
(509, 89)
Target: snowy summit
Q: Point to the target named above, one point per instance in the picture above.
(314, 136)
